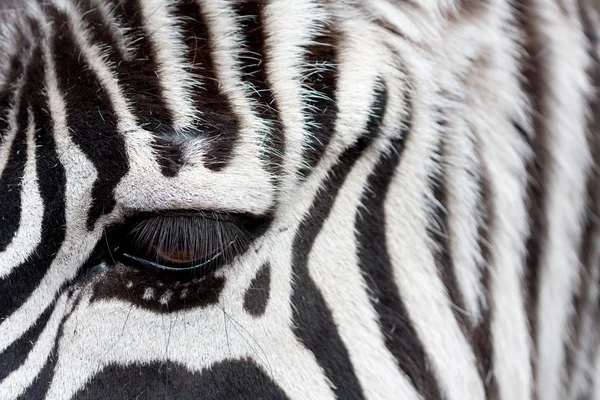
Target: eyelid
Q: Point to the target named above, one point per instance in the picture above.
(211, 239)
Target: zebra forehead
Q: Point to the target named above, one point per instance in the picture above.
(183, 94)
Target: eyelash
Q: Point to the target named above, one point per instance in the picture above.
(181, 243)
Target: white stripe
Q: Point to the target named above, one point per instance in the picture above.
(169, 51)
(589, 333)
(464, 216)
(596, 377)
(289, 28)
(565, 126)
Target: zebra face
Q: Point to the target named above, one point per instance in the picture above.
(304, 199)
(169, 167)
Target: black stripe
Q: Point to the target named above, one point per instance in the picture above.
(439, 232)
(535, 84)
(255, 61)
(312, 321)
(7, 94)
(20, 283)
(374, 260)
(479, 336)
(224, 380)
(102, 32)
(482, 333)
(90, 117)
(16, 354)
(322, 110)
(220, 124)
(137, 73)
(11, 181)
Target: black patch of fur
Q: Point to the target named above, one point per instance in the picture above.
(377, 109)
(254, 62)
(194, 293)
(439, 232)
(11, 182)
(90, 117)
(40, 386)
(169, 154)
(322, 111)
(257, 295)
(220, 122)
(224, 380)
(482, 333)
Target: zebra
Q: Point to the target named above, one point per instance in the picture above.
(299, 199)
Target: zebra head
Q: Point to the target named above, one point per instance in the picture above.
(166, 170)
(297, 199)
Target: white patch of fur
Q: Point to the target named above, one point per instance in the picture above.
(148, 294)
(165, 297)
(414, 23)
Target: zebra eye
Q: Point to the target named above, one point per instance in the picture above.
(174, 243)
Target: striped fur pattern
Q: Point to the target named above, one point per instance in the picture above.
(427, 173)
